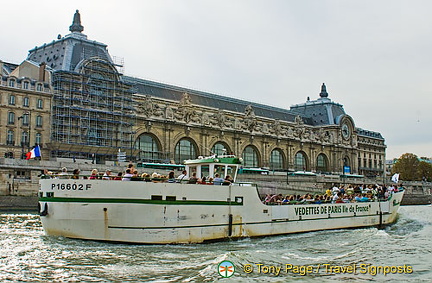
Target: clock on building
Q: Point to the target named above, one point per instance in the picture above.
(346, 132)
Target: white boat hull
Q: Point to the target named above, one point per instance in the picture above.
(164, 213)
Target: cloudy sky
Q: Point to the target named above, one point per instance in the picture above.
(374, 56)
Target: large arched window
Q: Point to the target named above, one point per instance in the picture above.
(220, 148)
(322, 163)
(149, 150)
(276, 160)
(184, 149)
(250, 157)
(300, 162)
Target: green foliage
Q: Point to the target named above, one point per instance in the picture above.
(411, 168)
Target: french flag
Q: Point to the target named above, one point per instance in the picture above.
(35, 152)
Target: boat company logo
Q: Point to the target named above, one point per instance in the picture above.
(226, 269)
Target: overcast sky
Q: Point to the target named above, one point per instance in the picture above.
(374, 56)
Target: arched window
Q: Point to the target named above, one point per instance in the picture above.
(38, 139)
(11, 118)
(300, 162)
(322, 163)
(10, 138)
(184, 149)
(276, 160)
(250, 157)
(220, 148)
(149, 148)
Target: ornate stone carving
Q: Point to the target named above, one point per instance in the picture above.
(205, 119)
(148, 108)
(185, 111)
(219, 119)
(169, 113)
(249, 120)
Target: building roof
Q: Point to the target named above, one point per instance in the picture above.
(171, 92)
(67, 52)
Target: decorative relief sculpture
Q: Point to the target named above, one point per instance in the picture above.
(219, 119)
(148, 108)
(185, 111)
(249, 120)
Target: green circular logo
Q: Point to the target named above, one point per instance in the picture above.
(226, 269)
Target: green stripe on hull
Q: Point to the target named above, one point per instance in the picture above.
(139, 201)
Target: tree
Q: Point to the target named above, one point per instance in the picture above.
(407, 166)
(425, 171)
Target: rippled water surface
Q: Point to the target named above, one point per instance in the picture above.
(26, 254)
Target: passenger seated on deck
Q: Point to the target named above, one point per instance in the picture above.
(119, 176)
(94, 174)
(361, 198)
(171, 178)
(286, 200)
(75, 174)
(339, 199)
(107, 175)
(127, 176)
(202, 181)
(218, 180)
(210, 181)
(267, 199)
(182, 176)
(317, 199)
(63, 173)
(228, 180)
(193, 179)
(135, 176)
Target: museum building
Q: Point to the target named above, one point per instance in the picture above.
(91, 110)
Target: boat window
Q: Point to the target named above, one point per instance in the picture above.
(231, 170)
(205, 171)
(192, 169)
(220, 169)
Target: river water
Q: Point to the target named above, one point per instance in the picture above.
(403, 251)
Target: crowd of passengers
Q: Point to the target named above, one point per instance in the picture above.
(337, 194)
(131, 174)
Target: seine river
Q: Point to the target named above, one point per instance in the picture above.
(399, 253)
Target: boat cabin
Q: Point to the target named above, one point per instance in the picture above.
(208, 166)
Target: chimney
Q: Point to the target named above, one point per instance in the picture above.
(42, 71)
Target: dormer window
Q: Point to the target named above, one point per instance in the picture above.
(25, 85)
(12, 83)
(39, 87)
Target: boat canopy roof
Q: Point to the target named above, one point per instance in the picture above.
(221, 159)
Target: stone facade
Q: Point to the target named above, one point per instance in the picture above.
(25, 115)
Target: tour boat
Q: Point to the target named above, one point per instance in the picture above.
(167, 213)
